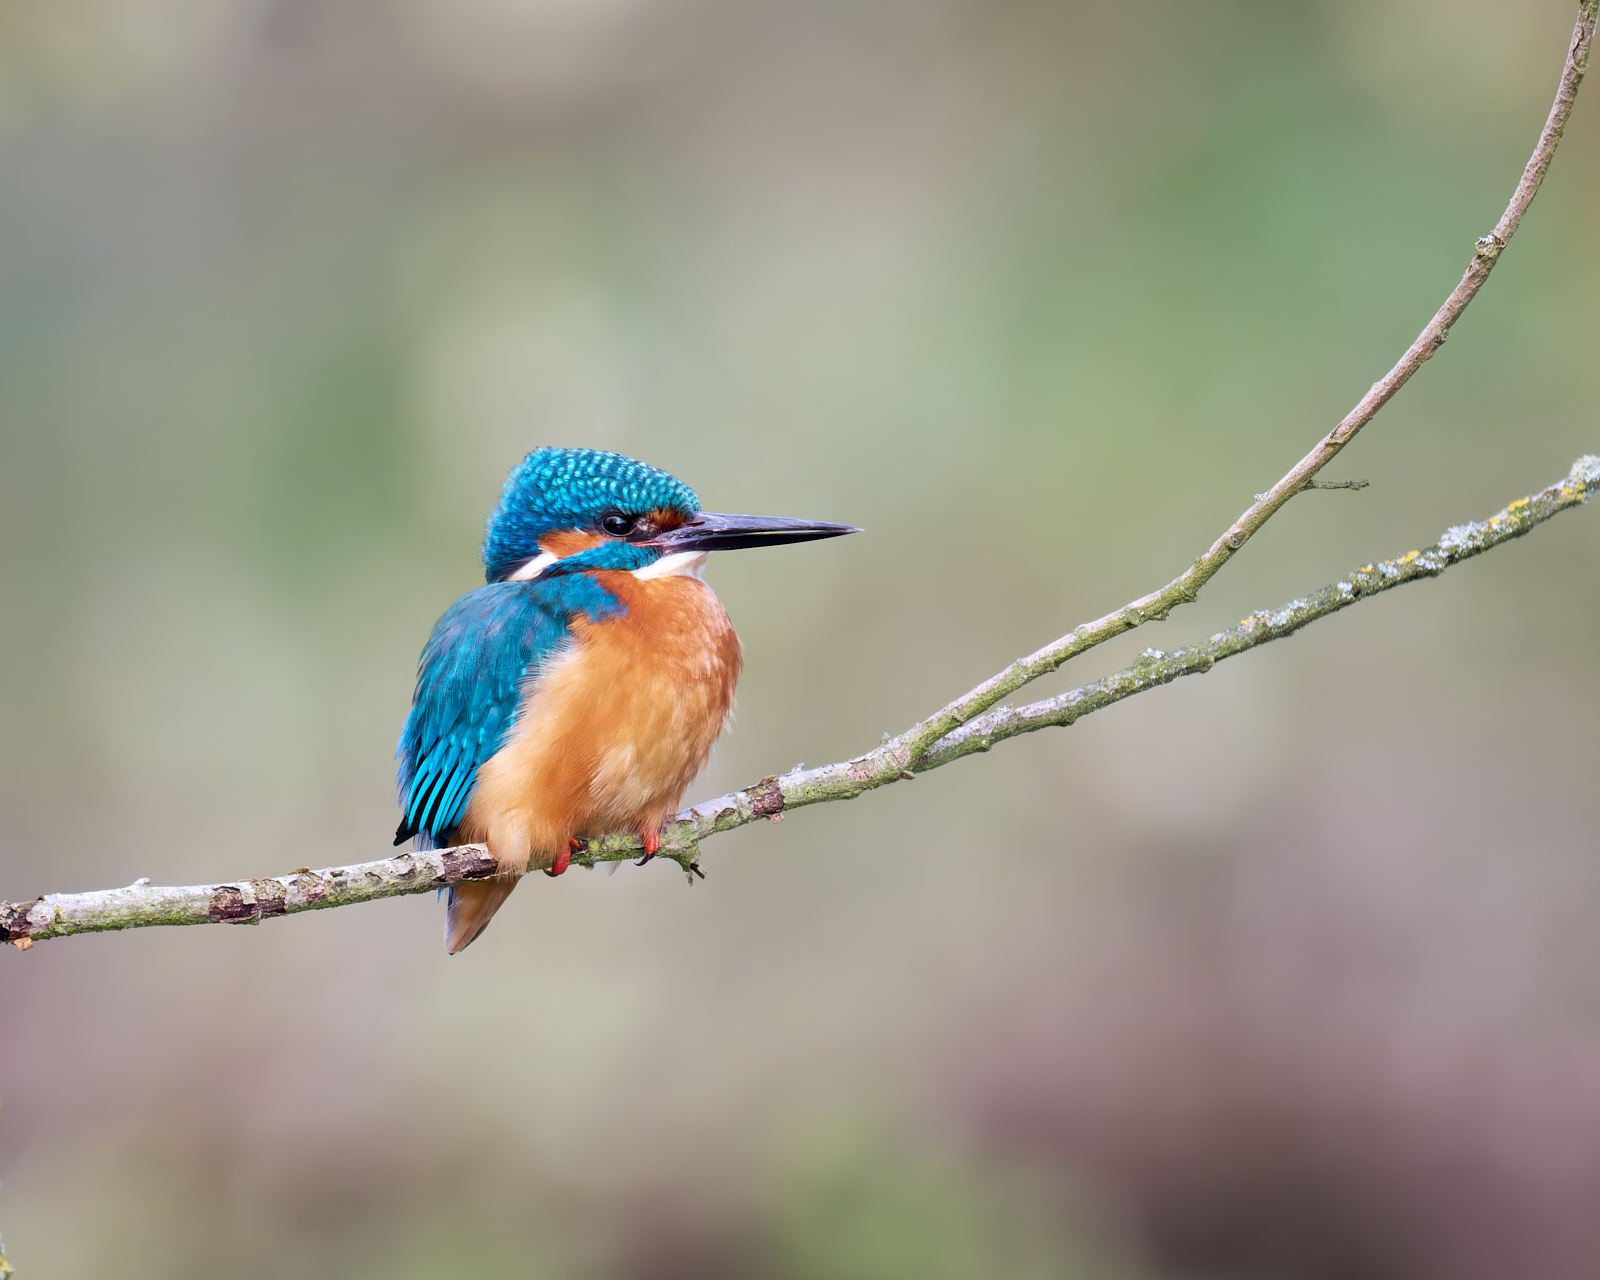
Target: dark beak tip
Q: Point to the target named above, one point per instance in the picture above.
(713, 531)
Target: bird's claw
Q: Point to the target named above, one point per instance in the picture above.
(652, 842)
(564, 858)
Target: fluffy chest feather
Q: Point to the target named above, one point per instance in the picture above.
(613, 729)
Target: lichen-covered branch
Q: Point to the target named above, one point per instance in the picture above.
(142, 904)
(1155, 668)
(251, 901)
(1183, 589)
(970, 723)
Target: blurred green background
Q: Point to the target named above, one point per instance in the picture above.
(1288, 972)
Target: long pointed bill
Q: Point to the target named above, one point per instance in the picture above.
(709, 531)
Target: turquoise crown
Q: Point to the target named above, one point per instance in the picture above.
(555, 489)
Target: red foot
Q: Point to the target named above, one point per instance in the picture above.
(652, 842)
(564, 858)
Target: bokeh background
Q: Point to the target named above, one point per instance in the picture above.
(1290, 972)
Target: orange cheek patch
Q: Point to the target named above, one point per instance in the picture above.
(665, 518)
(568, 542)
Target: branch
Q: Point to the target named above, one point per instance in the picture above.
(967, 724)
(1184, 589)
(1460, 542)
(143, 904)
(251, 901)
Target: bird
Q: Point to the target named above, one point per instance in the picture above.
(578, 692)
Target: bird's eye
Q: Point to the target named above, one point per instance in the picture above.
(617, 525)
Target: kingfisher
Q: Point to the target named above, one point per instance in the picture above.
(578, 692)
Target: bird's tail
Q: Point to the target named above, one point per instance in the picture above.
(472, 905)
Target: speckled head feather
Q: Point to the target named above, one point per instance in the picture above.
(555, 489)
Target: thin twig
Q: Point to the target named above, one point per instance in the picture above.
(250, 901)
(1155, 668)
(1184, 589)
(1328, 484)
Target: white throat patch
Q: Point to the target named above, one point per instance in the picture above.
(679, 564)
(534, 567)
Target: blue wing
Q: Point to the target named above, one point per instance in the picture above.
(469, 682)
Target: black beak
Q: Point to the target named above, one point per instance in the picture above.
(709, 531)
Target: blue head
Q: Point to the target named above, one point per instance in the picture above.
(571, 510)
(586, 492)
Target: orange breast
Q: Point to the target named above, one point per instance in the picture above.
(610, 735)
